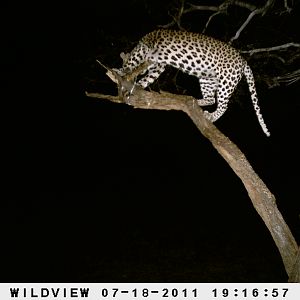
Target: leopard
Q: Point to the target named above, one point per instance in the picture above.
(217, 65)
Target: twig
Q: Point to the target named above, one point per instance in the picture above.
(274, 48)
(286, 6)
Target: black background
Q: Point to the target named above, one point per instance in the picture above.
(102, 192)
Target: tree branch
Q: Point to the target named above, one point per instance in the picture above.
(262, 199)
(257, 11)
(274, 48)
(220, 9)
(288, 78)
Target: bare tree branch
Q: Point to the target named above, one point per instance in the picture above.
(257, 11)
(262, 199)
(251, 15)
(176, 17)
(287, 79)
(274, 48)
(243, 4)
(221, 9)
(210, 19)
(193, 7)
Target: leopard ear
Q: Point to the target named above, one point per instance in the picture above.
(124, 56)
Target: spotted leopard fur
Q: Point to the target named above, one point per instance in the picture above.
(218, 66)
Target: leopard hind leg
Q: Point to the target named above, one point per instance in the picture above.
(208, 86)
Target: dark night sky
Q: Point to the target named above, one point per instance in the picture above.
(102, 192)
